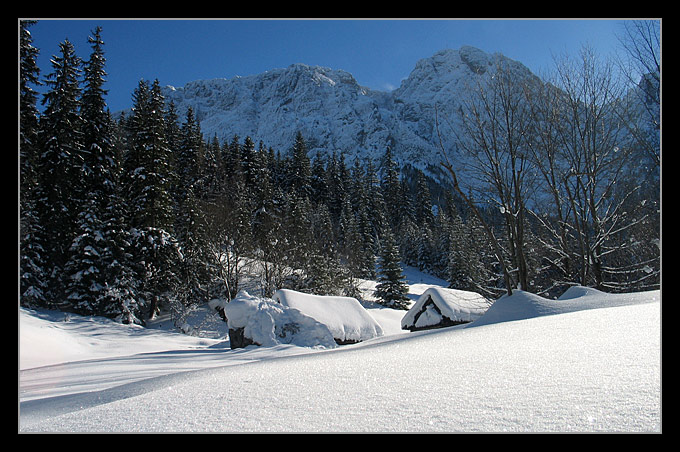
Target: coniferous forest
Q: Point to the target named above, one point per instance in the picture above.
(124, 217)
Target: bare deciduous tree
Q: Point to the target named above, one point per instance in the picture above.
(495, 123)
(640, 65)
(595, 148)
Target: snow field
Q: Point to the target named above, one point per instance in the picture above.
(565, 370)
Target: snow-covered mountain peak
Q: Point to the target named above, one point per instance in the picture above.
(472, 58)
(332, 111)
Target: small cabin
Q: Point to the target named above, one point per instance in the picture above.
(261, 321)
(345, 317)
(439, 307)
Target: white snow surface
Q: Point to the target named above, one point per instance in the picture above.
(587, 362)
(457, 305)
(345, 317)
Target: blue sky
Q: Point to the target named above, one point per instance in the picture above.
(379, 53)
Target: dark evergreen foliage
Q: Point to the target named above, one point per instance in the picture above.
(60, 168)
(391, 289)
(32, 264)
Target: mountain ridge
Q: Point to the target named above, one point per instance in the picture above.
(334, 113)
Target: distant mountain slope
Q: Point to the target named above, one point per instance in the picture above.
(336, 114)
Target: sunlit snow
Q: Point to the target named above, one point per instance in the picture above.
(587, 362)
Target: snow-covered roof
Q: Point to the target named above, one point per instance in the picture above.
(267, 323)
(344, 316)
(457, 305)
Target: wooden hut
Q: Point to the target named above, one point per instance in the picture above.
(440, 307)
(347, 320)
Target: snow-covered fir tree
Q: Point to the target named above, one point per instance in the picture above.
(60, 167)
(391, 289)
(148, 184)
(98, 251)
(32, 255)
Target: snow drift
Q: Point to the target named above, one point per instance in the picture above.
(524, 305)
(347, 320)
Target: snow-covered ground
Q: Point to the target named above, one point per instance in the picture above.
(588, 362)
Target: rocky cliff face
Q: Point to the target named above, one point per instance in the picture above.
(336, 114)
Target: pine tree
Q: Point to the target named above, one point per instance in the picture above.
(189, 154)
(300, 171)
(85, 271)
(148, 161)
(32, 264)
(28, 114)
(319, 181)
(149, 175)
(391, 190)
(60, 167)
(391, 289)
(375, 204)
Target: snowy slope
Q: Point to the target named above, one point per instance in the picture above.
(588, 362)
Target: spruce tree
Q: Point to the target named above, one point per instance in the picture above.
(148, 184)
(422, 201)
(260, 187)
(85, 271)
(375, 203)
(321, 270)
(196, 266)
(98, 275)
(300, 171)
(31, 264)
(189, 154)
(391, 289)
(212, 176)
(28, 114)
(173, 138)
(58, 202)
(391, 190)
(458, 269)
(338, 187)
(363, 250)
(319, 182)
(148, 161)
(248, 161)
